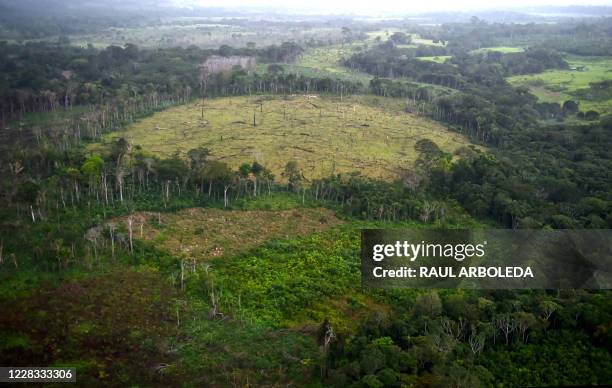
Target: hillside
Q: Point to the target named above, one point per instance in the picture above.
(324, 135)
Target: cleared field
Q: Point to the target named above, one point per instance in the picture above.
(500, 49)
(382, 34)
(372, 135)
(416, 39)
(560, 85)
(437, 59)
(207, 233)
(327, 62)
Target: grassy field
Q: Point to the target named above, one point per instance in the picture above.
(560, 85)
(444, 58)
(416, 39)
(324, 135)
(437, 59)
(206, 233)
(382, 34)
(326, 61)
(499, 49)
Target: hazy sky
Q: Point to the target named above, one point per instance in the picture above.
(390, 6)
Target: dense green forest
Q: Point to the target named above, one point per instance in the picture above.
(140, 268)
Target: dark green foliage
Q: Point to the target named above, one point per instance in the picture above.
(419, 347)
(540, 177)
(400, 38)
(45, 77)
(482, 102)
(570, 107)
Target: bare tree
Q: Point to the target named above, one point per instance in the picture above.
(476, 340)
(506, 324)
(225, 189)
(428, 209)
(453, 328)
(130, 222)
(111, 230)
(524, 321)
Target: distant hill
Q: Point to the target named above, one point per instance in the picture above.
(520, 15)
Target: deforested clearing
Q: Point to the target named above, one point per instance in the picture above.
(372, 135)
(208, 233)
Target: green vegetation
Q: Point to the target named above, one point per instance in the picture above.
(437, 59)
(77, 322)
(324, 135)
(207, 233)
(185, 209)
(418, 40)
(558, 86)
(327, 62)
(500, 49)
(202, 31)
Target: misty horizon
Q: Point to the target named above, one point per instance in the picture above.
(390, 7)
(384, 8)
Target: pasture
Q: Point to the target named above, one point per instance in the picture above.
(499, 49)
(437, 59)
(327, 62)
(384, 35)
(562, 85)
(418, 40)
(366, 134)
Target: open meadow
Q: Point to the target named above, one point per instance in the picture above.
(327, 61)
(499, 49)
(371, 135)
(415, 39)
(437, 58)
(322, 62)
(562, 85)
